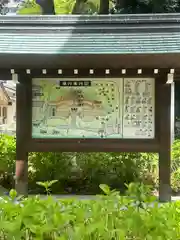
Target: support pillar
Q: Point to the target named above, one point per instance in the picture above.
(21, 177)
(166, 95)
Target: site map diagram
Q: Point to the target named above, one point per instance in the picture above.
(77, 108)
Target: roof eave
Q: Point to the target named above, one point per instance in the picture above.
(116, 61)
(89, 19)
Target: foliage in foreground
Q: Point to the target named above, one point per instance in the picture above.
(109, 217)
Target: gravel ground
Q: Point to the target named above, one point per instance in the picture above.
(87, 197)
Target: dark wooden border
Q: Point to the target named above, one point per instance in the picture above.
(93, 145)
(24, 107)
(5, 74)
(116, 73)
(165, 140)
(84, 61)
(89, 145)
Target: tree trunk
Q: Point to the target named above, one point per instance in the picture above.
(47, 6)
(104, 7)
(78, 6)
(120, 4)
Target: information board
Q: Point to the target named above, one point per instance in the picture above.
(77, 108)
(139, 106)
(93, 108)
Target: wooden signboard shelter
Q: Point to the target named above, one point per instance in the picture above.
(93, 83)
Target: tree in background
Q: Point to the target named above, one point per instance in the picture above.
(76, 6)
(47, 6)
(104, 7)
(146, 6)
(52, 7)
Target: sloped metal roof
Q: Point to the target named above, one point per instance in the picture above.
(123, 34)
(90, 43)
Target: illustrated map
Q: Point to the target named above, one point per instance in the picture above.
(71, 108)
(93, 108)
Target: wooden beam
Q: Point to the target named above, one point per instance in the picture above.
(165, 138)
(5, 74)
(93, 145)
(94, 73)
(117, 61)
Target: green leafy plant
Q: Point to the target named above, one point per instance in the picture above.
(47, 185)
(175, 180)
(105, 188)
(7, 160)
(13, 194)
(175, 175)
(141, 193)
(110, 217)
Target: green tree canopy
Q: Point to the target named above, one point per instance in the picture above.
(146, 6)
(52, 7)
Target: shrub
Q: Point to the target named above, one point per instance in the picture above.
(7, 153)
(175, 180)
(110, 217)
(83, 172)
(80, 172)
(49, 166)
(114, 169)
(7, 160)
(175, 176)
(176, 154)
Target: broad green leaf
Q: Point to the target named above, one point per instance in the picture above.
(105, 188)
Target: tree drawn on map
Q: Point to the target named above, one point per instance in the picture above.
(47, 91)
(76, 111)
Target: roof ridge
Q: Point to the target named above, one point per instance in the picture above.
(59, 20)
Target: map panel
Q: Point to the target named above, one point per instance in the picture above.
(77, 108)
(139, 108)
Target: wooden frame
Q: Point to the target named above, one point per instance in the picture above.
(86, 145)
(160, 144)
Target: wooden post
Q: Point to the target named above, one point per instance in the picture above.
(21, 180)
(166, 100)
(21, 139)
